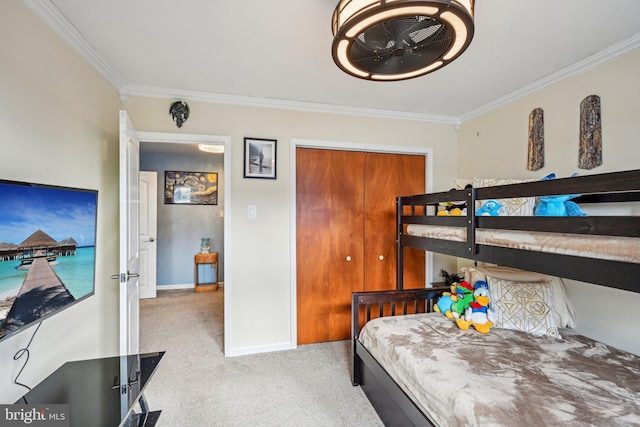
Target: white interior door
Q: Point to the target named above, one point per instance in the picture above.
(148, 233)
(129, 235)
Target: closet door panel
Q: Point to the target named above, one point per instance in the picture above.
(347, 243)
(386, 177)
(313, 242)
(329, 242)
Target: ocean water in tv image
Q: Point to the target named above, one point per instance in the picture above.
(75, 271)
(10, 279)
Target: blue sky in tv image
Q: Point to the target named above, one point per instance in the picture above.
(61, 213)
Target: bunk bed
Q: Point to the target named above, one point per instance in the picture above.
(602, 383)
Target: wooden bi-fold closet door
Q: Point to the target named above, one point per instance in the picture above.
(329, 244)
(388, 176)
(346, 233)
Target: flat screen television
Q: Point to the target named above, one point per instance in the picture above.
(47, 251)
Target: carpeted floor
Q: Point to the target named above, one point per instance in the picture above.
(195, 385)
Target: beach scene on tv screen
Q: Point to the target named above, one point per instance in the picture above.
(47, 251)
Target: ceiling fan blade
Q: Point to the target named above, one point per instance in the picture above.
(403, 26)
(377, 36)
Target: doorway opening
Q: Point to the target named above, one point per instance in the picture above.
(182, 226)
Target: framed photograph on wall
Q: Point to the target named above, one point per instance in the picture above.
(260, 158)
(190, 188)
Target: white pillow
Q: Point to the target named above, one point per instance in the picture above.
(517, 206)
(523, 306)
(461, 183)
(565, 314)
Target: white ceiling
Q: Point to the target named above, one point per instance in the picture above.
(278, 54)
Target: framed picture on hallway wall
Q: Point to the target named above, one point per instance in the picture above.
(260, 158)
(190, 188)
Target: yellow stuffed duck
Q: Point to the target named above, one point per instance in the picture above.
(478, 315)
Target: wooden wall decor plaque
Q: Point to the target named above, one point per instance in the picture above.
(535, 152)
(590, 150)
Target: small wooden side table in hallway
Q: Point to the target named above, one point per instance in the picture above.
(210, 258)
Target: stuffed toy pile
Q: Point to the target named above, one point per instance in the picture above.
(453, 304)
(468, 306)
(453, 209)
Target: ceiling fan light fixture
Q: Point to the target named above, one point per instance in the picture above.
(391, 40)
(211, 148)
(420, 72)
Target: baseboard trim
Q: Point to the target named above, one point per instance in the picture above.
(184, 286)
(244, 351)
(169, 287)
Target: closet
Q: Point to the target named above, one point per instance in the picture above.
(346, 233)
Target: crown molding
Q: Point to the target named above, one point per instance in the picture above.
(612, 52)
(250, 101)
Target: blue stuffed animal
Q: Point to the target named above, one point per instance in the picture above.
(489, 208)
(558, 205)
(444, 304)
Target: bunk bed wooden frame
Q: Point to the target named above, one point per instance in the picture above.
(390, 401)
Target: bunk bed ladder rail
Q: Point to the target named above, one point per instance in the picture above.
(471, 220)
(402, 202)
(399, 250)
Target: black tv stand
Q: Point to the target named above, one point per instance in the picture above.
(95, 394)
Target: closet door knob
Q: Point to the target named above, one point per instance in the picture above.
(381, 257)
(348, 258)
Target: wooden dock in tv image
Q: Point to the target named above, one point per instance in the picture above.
(42, 292)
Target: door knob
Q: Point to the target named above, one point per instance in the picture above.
(152, 239)
(124, 277)
(381, 257)
(348, 258)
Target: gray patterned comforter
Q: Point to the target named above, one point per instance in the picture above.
(506, 378)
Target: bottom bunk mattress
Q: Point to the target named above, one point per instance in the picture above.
(506, 377)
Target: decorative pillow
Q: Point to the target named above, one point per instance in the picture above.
(517, 206)
(565, 314)
(523, 306)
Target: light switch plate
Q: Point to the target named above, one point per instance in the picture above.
(252, 212)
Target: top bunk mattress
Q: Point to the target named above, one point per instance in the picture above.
(465, 378)
(614, 248)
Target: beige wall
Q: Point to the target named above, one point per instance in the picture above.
(259, 280)
(495, 145)
(58, 119)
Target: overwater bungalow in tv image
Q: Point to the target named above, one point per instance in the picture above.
(31, 266)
